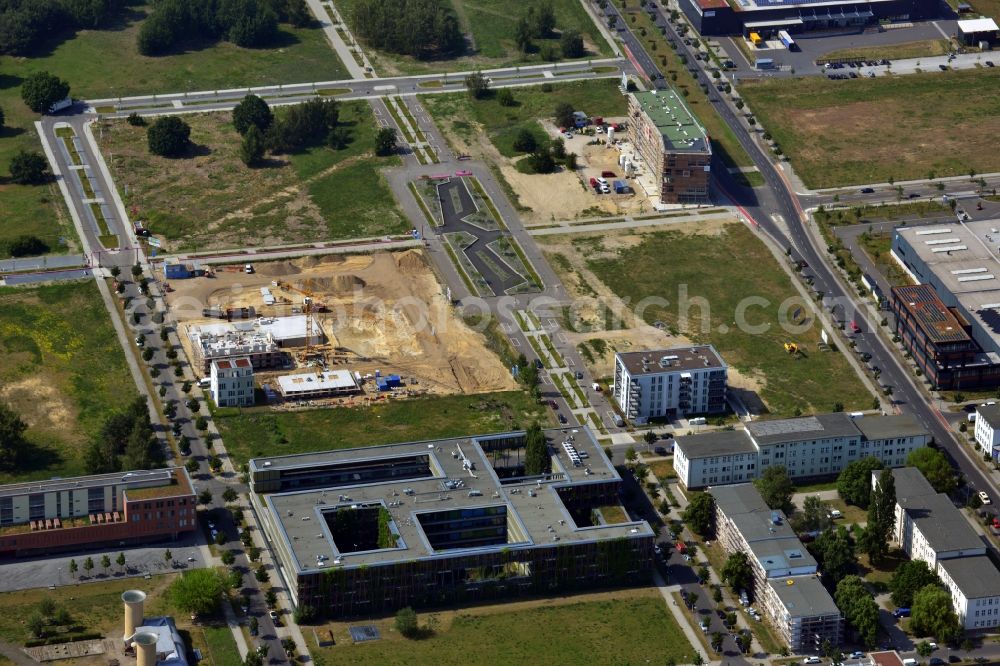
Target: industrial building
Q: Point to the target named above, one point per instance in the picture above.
(261, 340)
(808, 447)
(91, 511)
(231, 382)
(674, 146)
(741, 17)
(370, 530)
(929, 528)
(950, 320)
(318, 384)
(154, 640)
(667, 383)
(785, 585)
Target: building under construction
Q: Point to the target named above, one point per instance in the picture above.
(262, 340)
(370, 530)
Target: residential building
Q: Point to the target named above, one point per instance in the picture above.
(811, 446)
(672, 143)
(667, 383)
(262, 340)
(370, 530)
(785, 585)
(232, 382)
(987, 428)
(94, 511)
(974, 584)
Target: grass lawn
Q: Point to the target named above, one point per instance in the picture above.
(211, 199)
(883, 572)
(61, 369)
(825, 126)
(491, 25)
(260, 432)
(629, 626)
(458, 114)
(853, 515)
(744, 269)
(878, 248)
(925, 47)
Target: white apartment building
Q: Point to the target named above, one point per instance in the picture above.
(987, 430)
(811, 446)
(232, 382)
(974, 584)
(668, 383)
(785, 586)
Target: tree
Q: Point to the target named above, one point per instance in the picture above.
(834, 550)
(385, 141)
(717, 641)
(505, 97)
(855, 482)
(910, 577)
(775, 487)
(543, 19)
(168, 556)
(229, 495)
(859, 608)
(253, 659)
(26, 245)
(261, 574)
(13, 444)
(737, 572)
(424, 29)
(41, 90)
(338, 138)
(563, 115)
(252, 148)
(406, 622)
(35, 625)
(814, 516)
(28, 168)
(47, 607)
(73, 568)
(88, 565)
(700, 513)
(536, 452)
(935, 467)
(200, 423)
(105, 563)
(192, 466)
(931, 615)
(881, 517)
(252, 111)
(523, 34)
(235, 579)
(197, 592)
(540, 161)
(205, 497)
(478, 85)
(120, 561)
(524, 141)
(571, 44)
(271, 598)
(168, 136)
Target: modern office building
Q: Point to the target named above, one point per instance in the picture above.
(929, 528)
(786, 585)
(766, 17)
(93, 511)
(811, 446)
(232, 382)
(672, 143)
(950, 321)
(371, 530)
(667, 383)
(987, 428)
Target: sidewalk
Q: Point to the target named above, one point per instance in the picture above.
(336, 41)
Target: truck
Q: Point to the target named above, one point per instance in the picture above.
(787, 40)
(61, 104)
(755, 39)
(763, 63)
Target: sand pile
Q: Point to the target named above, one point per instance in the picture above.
(338, 284)
(277, 268)
(411, 261)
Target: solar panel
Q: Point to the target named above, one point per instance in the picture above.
(364, 633)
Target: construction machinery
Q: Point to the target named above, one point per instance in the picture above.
(791, 348)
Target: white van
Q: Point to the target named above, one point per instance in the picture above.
(910, 662)
(204, 382)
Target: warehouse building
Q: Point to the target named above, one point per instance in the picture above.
(808, 447)
(668, 383)
(950, 320)
(785, 584)
(92, 511)
(370, 530)
(672, 143)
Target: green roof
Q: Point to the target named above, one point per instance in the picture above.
(681, 131)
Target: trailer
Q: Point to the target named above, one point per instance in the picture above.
(620, 187)
(787, 40)
(177, 271)
(61, 104)
(763, 63)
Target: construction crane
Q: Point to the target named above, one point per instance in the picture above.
(309, 307)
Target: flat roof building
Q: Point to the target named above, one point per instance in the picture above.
(231, 382)
(987, 428)
(317, 384)
(973, 31)
(261, 340)
(672, 143)
(59, 515)
(667, 383)
(373, 529)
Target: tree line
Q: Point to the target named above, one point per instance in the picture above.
(25, 24)
(424, 29)
(246, 23)
(125, 441)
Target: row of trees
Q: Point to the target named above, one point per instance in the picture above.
(25, 24)
(125, 441)
(247, 23)
(14, 445)
(424, 29)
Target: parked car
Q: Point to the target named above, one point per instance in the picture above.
(594, 183)
(562, 419)
(867, 190)
(984, 498)
(608, 174)
(812, 660)
(660, 451)
(943, 68)
(901, 612)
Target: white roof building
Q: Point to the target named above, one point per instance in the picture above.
(317, 385)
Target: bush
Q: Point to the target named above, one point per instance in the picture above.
(406, 622)
(41, 90)
(525, 141)
(28, 168)
(168, 136)
(27, 246)
(571, 44)
(201, 423)
(385, 142)
(505, 97)
(135, 120)
(252, 112)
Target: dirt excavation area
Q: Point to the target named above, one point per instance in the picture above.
(384, 311)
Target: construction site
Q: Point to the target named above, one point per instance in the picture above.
(373, 317)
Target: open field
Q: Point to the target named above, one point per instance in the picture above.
(61, 369)
(259, 431)
(489, 26)
(924, 123)
(210, 199)
(925, 47)
(98, 607)
(630, 626)
(485, 129)
(386, 311)
(667, 268)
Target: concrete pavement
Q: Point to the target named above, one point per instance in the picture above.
(336, 41)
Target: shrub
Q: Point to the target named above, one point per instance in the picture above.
(28, 168)
(41, 90)
(168, 136)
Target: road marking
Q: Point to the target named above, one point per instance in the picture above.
(177, 104)
(943, 33)
(383, 87)
(515, 342)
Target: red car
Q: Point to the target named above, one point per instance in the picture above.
(593, 183)
(608, 174)
(553, 405)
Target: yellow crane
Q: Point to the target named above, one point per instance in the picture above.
(791, 347)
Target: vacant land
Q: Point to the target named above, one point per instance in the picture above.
(61, 369)
(924, 121)
(738, 306)
(924, 47)
(489, 26)
(627, 626)
(259, 431)
(210, 199)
